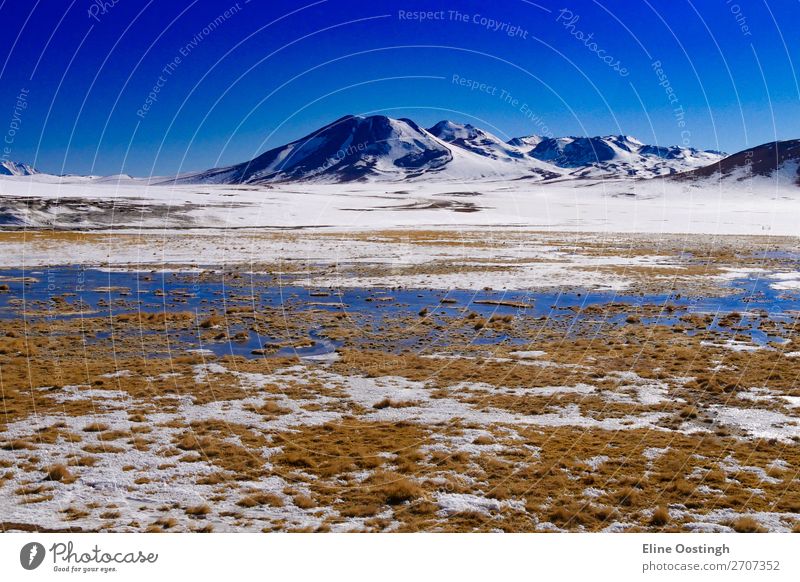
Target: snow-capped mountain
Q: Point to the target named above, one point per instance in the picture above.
(777, 161)
(350, 148)
(380, 148)
(9, 168)
(619, 156)
(526, 143)
(483, 143)
(476, 140)
(377, 147)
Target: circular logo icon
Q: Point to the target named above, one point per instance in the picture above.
(31, 555)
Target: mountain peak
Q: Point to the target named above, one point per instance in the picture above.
(378, 147)
(9, 168)
(450, 130)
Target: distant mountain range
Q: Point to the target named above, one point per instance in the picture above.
(379, 148)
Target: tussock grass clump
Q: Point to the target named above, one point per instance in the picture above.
(60, 473)
(298, 459)
(747, 525)
(198, 510)
(191, 442)
(566, 515)
(213, 479)
(395, 489)
(95, 427)
(16, 347)
(212, 320)
(627, 496)
(165, 522)
(660, 516)
(571, 514)
(261, 498)
(360, 510)
(73, 513)
(18, 445)
(304, 502)
(270, 408)
(389, 403)
(112, 435)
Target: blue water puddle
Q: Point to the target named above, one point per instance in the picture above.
(71, 291)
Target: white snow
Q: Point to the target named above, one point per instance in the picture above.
(453, 503)
(786, 281)
(650, 206)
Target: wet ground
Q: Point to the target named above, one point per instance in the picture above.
(752, 309)
(657, 391)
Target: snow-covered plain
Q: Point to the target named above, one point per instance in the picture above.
(758, 206)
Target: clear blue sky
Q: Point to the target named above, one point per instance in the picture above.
(268, 72)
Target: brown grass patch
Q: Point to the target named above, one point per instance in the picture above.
(261, 498)
(198, 510)
(60, 473)
(660, 517)
(746, 525)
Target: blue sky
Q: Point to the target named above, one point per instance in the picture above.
(253, 75)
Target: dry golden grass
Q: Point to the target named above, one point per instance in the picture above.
(60, 473)
(74, 513)
(389, 403)
(362, 469)
(165, 522)
(198, 510)
(212, 321)
(747, 525)
(660, 517)
(260, 498)
(395, 489)
(95, 427)
(304, 502)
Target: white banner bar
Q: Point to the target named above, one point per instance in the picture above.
(354, 557)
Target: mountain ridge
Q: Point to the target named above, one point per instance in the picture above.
(378, 148)
(399, 149)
